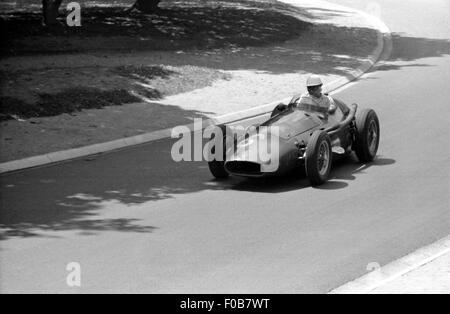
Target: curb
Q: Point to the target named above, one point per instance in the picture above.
(392, 271)
(383, 49)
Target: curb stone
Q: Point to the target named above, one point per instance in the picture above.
(383, 49)
(392, 271)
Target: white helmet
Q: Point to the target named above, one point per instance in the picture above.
(313, 80)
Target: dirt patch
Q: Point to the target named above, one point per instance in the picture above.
(67, 101)
(178, 25)
(52, 91)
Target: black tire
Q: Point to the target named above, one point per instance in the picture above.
(217, 167)
(278, 109)
(367, 135)
(319, 158)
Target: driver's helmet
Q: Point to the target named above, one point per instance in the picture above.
(313, 80)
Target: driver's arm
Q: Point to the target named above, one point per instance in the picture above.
(332, 106)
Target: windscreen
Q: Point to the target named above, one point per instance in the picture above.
(293, 122)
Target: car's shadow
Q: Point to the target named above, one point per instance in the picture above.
(345, 169)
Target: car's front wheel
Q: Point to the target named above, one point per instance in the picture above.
(217, 167)
(318, 158)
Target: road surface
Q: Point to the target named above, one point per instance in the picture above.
(136, 221)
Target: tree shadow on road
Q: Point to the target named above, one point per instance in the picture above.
(406, 49)
(72, 196)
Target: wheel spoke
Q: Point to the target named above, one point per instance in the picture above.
(372, 137)
(323, 158)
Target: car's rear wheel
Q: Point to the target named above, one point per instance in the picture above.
(367, 136)
(318, 158)
(217, 167)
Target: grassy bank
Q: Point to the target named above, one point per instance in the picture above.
(50, 92)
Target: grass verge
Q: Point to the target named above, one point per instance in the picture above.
(50, 92)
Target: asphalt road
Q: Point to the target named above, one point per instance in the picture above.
(136, 221)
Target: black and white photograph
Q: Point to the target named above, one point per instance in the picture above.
(224, 153)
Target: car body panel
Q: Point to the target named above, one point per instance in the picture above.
(294, 129)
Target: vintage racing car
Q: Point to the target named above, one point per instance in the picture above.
(308, 136)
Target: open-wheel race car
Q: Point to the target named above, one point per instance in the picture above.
(308, 136)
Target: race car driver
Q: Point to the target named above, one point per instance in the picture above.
(314, 98)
